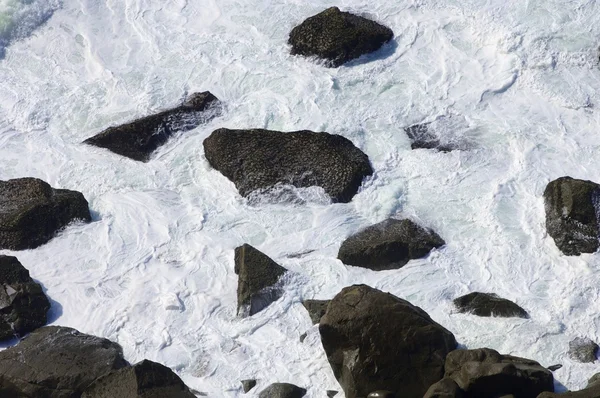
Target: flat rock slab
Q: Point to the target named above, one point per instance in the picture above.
(31, 212)
(137, 140)
(583, 350)
(572, 214)
(316, 309)
(282, 390)
(337, 37)
(257, 160)
(56, 362)
(487, 305)
(389, 244)
(23, 304)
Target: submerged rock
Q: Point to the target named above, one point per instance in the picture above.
(389, 244)
(316, 309)
(248, 385)
(591, 391)
(377, 341)
(571, 215)
(31, 212)
(489, 304)
(260, 159)
(138, 139)
(338, 36)
(257, 279)
(23, 304)
(422, 138)
(282, 390)
(583, 350)
(145, 379)
(56, 362)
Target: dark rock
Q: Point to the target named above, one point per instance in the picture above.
(484, 373)
(145, 379)
(591, 391)
(258, 276)
(138, 139)
(337, 36)
(259, 159)
(374, 340)
(422, 138)
(381, 394)
(489, 304)
(303, 337)
(23, 304)
(445, 388)
(31, 212)
(389, 244)
(583, 350)
(552, 368)
(248, 385)
(331, 393)
(282, 390)
(316, 309)
(56, 362)
(571, 215)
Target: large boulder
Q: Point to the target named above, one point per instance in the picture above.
(145, 379)
(337, 37)
(258, 278)
(316, 309)
(488, 304)
(582, 349)
(377, 341)
(282, 390)
(23, 304)
(389, 244)
(572, 215)
(260, 159)
(445, 388)
(56, 362)
(591, 391)
(138, 139)
(484, 373)
(31, 212)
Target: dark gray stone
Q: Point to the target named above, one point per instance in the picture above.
(489, 304)
(257, 280)
(138, 139)
(145, 379)
(389, 244)
(23, 304)
(552, 368)
(248, 385)
(571, 215)
(303, 337)
(337, 36)
(583, 350)
(282, 390)
(445, 388)
(332, 393)
(591, 391)
(31, 212)
(257, 160)
(56, 362)
(377, 341)
(422, 138)
(316, 309)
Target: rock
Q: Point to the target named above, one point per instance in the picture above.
(583, 350)
(259, 159)
(489, 304)
(138, 139)
(56, 362)
(23, 304)
(31, 212)
(571, 215)
(316, 309)
(484, 373)
(591, 391)
(303, 337)
(552, 368)
(258, 276)
(331, 393)
(282, 390)
(374, 341)
(389, 244)
(145, 379)
(422, 138)
(381, 394)
(248, 385)
(445, 388)
(337, 36)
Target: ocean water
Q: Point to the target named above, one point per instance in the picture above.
(514, 84)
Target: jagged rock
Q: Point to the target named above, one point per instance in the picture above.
(303, 337)
(145, 379)
(23, 304)
(248, 385)
(484, 373)
(489, 304)
(381, 394)
(316, 309)
(374, 341)
(552, 368)
(583, 350)
(338, 36)
(138, 139)
(56, 362)
(571, 215)
(282, 390)
(422, 138)
(591, 391)
(389, 244)
(31, 212)
(257, 160)
(331, 393)
(257, 280)
(445, 388)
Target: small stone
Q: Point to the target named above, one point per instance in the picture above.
(583, 350)
(248, 385)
